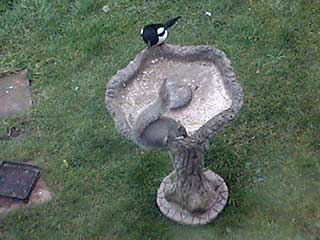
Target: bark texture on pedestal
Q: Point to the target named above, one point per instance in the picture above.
(190, 187)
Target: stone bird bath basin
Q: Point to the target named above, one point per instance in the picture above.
(190, 194)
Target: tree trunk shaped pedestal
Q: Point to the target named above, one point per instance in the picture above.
(190, 195)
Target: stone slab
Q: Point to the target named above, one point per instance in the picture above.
(15, 94)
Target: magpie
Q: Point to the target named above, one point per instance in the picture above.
(156, 34)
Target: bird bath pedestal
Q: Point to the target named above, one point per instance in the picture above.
(190, 194)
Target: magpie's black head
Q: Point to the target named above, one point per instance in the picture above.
(150, 35)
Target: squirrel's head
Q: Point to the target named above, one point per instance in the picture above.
(179, 133)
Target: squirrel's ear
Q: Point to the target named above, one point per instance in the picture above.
(182, 131)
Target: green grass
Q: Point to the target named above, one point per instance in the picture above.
(270, 156)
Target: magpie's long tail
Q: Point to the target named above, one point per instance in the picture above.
(171, 22)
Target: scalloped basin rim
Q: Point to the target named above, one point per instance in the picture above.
(217, 96)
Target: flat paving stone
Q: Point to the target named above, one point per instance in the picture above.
(15, 94)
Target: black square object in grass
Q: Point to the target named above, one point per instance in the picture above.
(17, 180)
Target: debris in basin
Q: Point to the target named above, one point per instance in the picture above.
(209, 83)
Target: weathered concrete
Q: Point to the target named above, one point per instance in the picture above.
(15, 94)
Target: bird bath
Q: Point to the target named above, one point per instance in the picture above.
(190, 194)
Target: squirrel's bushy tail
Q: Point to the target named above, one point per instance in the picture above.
(152, 112)
(153, 130)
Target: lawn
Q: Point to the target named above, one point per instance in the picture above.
(104, 186)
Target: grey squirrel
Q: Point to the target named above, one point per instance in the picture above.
(151, 129)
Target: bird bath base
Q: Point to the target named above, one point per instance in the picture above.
(180, 215)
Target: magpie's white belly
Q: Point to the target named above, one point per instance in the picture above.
(163, 38)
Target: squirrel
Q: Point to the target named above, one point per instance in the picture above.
(151, 129)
